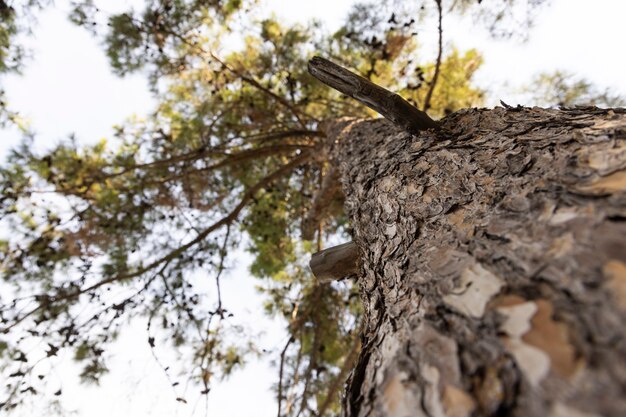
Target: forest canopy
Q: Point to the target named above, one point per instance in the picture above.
(236, 155)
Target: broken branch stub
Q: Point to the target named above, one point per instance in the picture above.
(390, 105)
(335, 263)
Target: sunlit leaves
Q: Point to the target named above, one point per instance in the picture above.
(454, 90)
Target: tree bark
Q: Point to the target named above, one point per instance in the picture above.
(492, 264)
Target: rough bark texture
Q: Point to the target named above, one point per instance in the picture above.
(493, 264)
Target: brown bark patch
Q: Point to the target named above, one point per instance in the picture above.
(606, 161)
(552, 338)
(399, 399)
(615, 273)
(561, 246)
(508, 300)
(605, 185)
(456, 402)
(457, 220)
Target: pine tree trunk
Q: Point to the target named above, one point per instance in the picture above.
(492, 264)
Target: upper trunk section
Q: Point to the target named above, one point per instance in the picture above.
(493, 264)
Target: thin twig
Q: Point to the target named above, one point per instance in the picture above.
(319, 291)
(202, 153)
(236, 158)
(291, 397)
(220, 268)
(433, 82)
(280, 374)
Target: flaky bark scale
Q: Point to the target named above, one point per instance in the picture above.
(493, 264)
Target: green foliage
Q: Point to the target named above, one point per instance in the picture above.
(16, 18)
(233, 155)
(123, 44)
(454, 90)
(565, 89)
(91, 356)
(162, 35)
(10, 56)
(267, 225)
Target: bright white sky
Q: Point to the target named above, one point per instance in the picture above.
(68, 88)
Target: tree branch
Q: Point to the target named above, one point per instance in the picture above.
(247, 79)
(389, 105)
(247, 196)
(280, 374)
(201, 153)
(240, 157)
(335, 263)
(313, 357)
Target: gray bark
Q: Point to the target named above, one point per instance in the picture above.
(492, 264)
